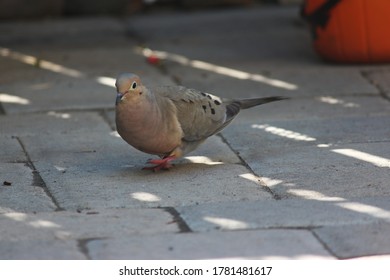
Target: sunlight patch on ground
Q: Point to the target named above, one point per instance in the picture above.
(284, 132)
(27, 59)
(202, 65)
(107, 81)
(375, 160)
(57, 68)
(225, 223)
(40, 63)
(336, 101)
(313, 195)
(366, 209)
(8, 98)
(250, 177)
(16, 216)
(144, 196)
(59, 115)
(51, 66)
(43, 224)
(115, 134)
(203, 160)
(60, 168)
(271, 182)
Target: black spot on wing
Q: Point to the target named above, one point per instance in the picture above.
(216, 102)
(204, 108)
(212, 111)
(232, 109)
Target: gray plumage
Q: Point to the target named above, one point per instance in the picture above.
(171, 121)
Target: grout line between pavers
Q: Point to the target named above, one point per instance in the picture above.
(37, 179)
(244, 163)
(2, 111)
(324, 245)
(366, 75)
(82, 246)
(183, 226)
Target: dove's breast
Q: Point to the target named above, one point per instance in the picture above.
(151, 127)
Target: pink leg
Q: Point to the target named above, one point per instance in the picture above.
(160, 164)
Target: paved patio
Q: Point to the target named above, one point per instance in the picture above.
(298, 179)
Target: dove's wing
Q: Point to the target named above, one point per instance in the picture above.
(200, 114)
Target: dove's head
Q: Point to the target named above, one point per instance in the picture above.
(128, 87)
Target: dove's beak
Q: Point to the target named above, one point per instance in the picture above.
(118, 98)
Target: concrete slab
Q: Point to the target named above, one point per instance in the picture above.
(301, 81)
(260, 34)
(311, 172)
(332, 156)
(373, 258)
(102, 61)
(10, 151)
(353, 241)
(100, 170)
(214, 52)
(322, 107)
(380, 78)
(325, 151)
(51, 91)
(14, 71)
(265, 244)
(339, 81)
(343, 130)
(62, 32)
(71, 79)
(292, 213)
(61, 225)
(24, 194)
(52, 122)
(40, 250)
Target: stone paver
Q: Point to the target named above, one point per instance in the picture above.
(303, 178)
(317, 108)
(330, 156)
(40, 250)
(11, 151)
(292, 213)
(356, 240)
(62, 235)
(24, 193)
(267, 244)
(19, 185)
(52, 123)
(282, 52)
(103, 171)
(307, 81)
(380, 78)
(68, 225)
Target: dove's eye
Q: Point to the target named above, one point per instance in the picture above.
(133, 85)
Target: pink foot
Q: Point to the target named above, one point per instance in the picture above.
(160, 164)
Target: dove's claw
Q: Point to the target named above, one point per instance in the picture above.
(160, 164)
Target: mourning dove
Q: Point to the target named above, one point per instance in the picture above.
(171, 121)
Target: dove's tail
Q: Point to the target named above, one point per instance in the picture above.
(249, 103)
(236, 105)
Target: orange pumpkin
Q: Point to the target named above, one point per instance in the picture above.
(350, 30)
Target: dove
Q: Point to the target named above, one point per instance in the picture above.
(171, 121)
